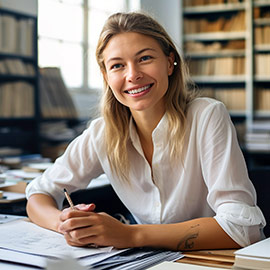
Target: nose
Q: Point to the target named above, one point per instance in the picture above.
(133, 73)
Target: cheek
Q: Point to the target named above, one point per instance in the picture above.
(114, 82)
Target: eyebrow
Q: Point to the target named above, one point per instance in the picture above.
(137, 53)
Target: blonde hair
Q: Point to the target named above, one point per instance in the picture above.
(117, 116)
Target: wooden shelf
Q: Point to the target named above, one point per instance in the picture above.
(217, 36)
(214, 8)
(200, 47)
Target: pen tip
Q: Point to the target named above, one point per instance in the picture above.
(65, 190)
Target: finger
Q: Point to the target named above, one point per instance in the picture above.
(77, 238)
(86, 207)
(77, 222)
(73, 242)
(81, 233)
(72, 213)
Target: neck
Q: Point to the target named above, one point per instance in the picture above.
(146, 123)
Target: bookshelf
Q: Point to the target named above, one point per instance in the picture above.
(19, 95)
(36, 109)
(261, 26)
(226, 44)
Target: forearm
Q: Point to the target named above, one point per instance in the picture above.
(42, 210)
(201, 233)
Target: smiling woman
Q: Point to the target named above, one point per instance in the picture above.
(171, 157)
(137, 71)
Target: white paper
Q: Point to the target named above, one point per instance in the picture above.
(7, 218)
(23, 258)
(28, 237)
(182, 266)
(260, 249)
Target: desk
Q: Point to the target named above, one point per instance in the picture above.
(26, 243)
(215, 258)
(18, 206)
(15, 205)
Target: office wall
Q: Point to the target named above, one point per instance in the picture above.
(168, 13)
(25, 6)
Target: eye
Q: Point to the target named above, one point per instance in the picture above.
(116, 66)
(145, 58)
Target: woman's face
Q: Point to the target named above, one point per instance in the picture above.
(137, 70)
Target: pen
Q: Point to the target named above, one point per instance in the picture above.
(69, 199)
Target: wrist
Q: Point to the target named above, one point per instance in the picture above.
(137, 236)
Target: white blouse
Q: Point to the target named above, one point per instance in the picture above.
(210, 181)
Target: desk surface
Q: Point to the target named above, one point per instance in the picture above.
(215, 258)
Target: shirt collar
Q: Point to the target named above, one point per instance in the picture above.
(157, 135)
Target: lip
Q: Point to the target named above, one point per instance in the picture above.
(142, 92)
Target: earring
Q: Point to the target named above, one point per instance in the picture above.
(175, 63)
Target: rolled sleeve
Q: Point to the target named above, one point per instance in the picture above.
(231, 194)
(243, 223)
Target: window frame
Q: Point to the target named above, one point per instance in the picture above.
(85, 45)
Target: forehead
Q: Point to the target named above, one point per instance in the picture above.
(129, 42)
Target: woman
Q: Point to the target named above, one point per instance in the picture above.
(172, 158)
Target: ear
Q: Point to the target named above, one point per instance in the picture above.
(171, 63)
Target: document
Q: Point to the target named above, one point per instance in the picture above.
(7, 218)
(182, 266)
(25, 236)
(255, 256)
(26, 243)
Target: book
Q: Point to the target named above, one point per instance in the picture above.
(254, 257)
(55, 99)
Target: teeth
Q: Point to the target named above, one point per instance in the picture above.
(136, 91)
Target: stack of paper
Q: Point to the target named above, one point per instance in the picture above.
(254, 257)
(182, 266)
(26, 243)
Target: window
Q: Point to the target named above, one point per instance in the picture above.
(68, 33)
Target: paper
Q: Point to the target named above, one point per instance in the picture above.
(182, 266)
(137, 258)
(22, 258)
(12, 197)
(25, 236)
(7, 218)
(260, 249)
(26, 243)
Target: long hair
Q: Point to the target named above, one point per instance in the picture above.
(117, 116)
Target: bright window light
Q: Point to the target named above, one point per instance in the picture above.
(63, 42)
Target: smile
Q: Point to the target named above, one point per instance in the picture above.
(139, 90)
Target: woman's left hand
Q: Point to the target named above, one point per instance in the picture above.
(82, 228)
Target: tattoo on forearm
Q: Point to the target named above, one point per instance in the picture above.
(187, 242)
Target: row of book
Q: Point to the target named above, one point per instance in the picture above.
(263, 12)
(16, 35)
(236, 22)
(16, 100)
(188, 3)
(55, 99)
(262, 99)
(257, 138)
(10, 66)
(216, 46)
(262, 64)
(217, 66)
(234, 98)
(262, 34)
